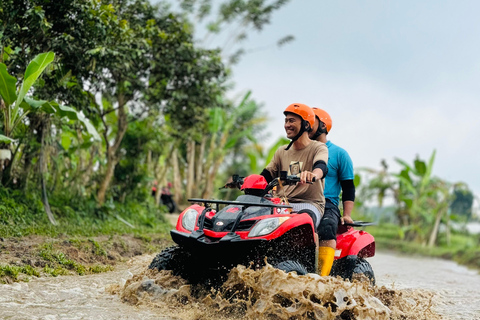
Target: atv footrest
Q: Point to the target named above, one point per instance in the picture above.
(231, 236)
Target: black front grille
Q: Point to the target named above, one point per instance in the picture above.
(242, 226)
(246, 225)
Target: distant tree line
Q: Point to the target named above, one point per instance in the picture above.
(423, 202)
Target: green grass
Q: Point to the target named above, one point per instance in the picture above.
(13, 272)
(98, 250)
(55, 271)
(100, 268)
(80, 222)
(59, 260)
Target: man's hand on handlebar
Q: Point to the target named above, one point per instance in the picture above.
(346, 219)
(307, 177)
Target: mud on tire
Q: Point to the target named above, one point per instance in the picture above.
(172, 258)
(181, 263)
(363, 268)
(292, 265)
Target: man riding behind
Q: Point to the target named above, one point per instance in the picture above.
(339, 177)
(303, 157)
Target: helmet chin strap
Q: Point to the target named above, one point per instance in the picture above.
(299, 134)
(320, 130)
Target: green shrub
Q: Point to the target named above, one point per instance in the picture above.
(22, 214)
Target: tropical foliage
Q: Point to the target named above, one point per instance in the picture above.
(100, 99)
(422, 202)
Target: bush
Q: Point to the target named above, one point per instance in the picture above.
(22, 214)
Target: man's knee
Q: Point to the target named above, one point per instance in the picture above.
(328, 229)
(312, 215)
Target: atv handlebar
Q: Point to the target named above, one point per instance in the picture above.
(236, 182)
(289, 180)
(359, 224)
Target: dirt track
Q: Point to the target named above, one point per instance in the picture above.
(455, 290)
(85, 297)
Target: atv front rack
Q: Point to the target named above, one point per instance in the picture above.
(232, 233)
(240, 203)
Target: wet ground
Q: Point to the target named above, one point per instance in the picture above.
(73, 297)
(457, 288)
(422, 287)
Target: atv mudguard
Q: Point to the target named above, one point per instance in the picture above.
(354, 243)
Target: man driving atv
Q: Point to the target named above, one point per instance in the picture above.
(340, 176)
(303, 157)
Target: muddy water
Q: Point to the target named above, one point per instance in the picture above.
(73, 297)
(407, 288)
(457, 289)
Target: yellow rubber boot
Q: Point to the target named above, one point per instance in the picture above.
(325, 260)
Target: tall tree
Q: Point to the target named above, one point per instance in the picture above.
(229, 23)
(138, 58)
(462, 201)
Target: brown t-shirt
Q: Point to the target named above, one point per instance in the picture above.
(294, 162)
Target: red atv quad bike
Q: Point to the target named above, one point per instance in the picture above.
(256, 227)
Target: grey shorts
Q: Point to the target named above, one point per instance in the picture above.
(297, 206)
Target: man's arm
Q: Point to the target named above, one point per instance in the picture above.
(271, 171)
(347, 212)
(348, 198)
(320, 169)
(267, 175)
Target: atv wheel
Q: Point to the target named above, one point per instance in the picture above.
(173, 258)
(179, 261)
(291, 265)
(363, 268)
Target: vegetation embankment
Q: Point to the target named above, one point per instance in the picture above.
(87, 240)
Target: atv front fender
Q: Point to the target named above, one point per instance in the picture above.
(355, 243)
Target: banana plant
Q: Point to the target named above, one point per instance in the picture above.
(426, 199)
(227, 128)
(15, 105)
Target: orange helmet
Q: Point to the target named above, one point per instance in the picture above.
(304, 111)
(323, 116)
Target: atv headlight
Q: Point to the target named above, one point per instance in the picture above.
(266, 226)
(189, 219)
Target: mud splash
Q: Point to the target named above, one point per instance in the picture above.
(270, 293)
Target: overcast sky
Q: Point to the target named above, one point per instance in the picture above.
(399, 78)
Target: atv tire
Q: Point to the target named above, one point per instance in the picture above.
(291, 265)
(363, 268)
(180, 262)
(172, 258)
